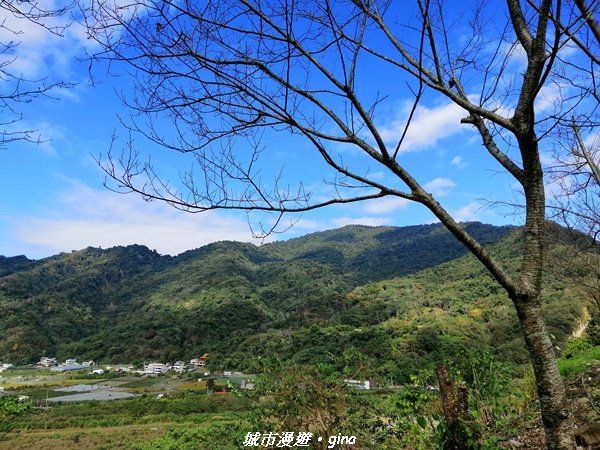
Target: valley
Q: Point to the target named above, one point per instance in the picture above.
(359, 303)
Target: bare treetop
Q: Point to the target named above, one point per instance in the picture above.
(18, 88)
(325, 71)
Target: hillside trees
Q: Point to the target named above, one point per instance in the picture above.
(231, 75)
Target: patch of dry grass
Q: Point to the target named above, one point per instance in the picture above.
(97, 438)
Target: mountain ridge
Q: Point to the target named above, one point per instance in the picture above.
(354, 287)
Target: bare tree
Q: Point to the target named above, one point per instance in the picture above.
(576, 206)
(228, 72)
(16, 88)
(576, 166)
(575, 169)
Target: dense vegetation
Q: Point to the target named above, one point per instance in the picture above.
(388, 304)
(402, 298)
(295, 397)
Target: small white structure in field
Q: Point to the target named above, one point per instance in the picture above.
(246, 384)
(359, 384)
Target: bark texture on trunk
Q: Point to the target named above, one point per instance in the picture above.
(551, 391)
(455, 404)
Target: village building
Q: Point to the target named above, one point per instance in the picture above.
(196, 363)
(178, 367)
(359, 384)
(155, 369)
(47, 362)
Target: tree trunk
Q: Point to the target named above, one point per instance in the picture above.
(551, 391)
(527, 294)
(455, 405)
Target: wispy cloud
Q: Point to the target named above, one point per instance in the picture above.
(305, 224)
(45, 134)
(427, 128)
(549, 99)
(458, 162)
(385, 205)
(41, 53)
(87, 217)
(467, 213)
(592, 140)
(439, 187)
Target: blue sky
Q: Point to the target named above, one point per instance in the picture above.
(53, 199)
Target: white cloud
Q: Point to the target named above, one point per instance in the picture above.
(592, 141)
(40, 53)
(517, 56)
(385, 205)
(558, 187)
(439, 187)
(303, 224)
(370, 221)
(467, 213)
(458, 162)
(549, 98)
(43, 133)
(548, 159)
(88, 217)
(428, 126)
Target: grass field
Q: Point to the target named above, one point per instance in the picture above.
(117, 424)
(184, 417)
(118, 437)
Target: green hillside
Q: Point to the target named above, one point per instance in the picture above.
(400, 298)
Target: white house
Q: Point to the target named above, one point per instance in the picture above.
(47, 362)
(196, 363)
(155, 369)
(359, 384)
(178, 367)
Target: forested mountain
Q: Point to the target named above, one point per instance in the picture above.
(402, 298)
